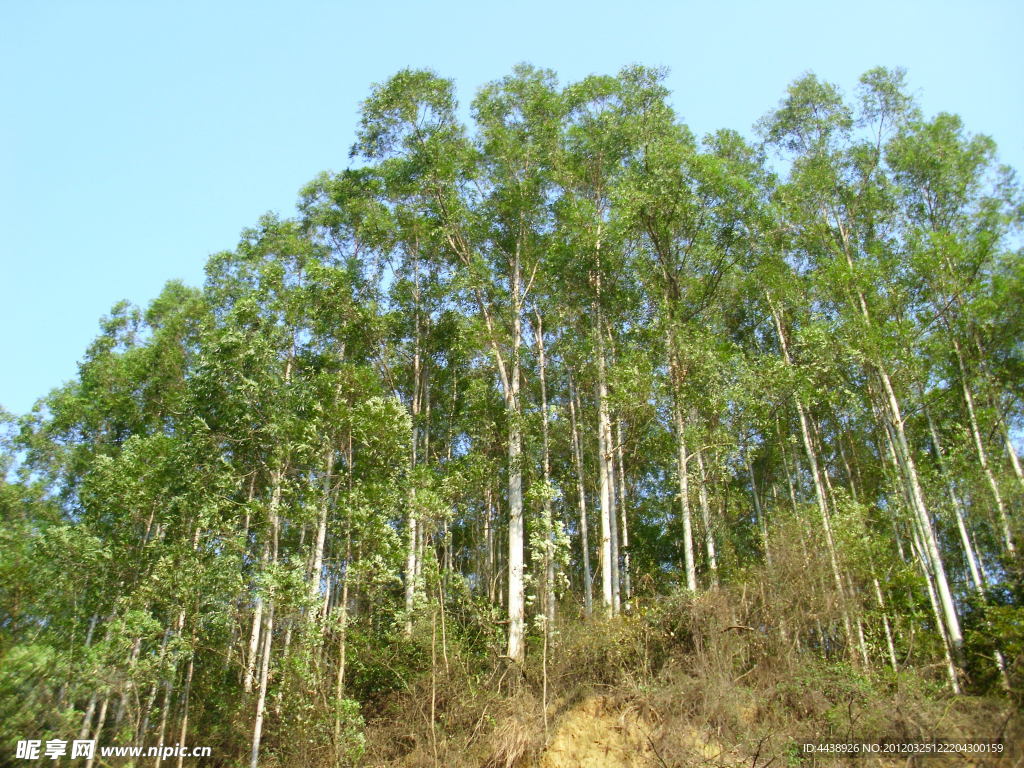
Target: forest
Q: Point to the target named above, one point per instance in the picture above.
(542, 400)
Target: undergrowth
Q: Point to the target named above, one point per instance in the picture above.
(707, 680)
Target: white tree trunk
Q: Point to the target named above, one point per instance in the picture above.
(411, 533)
(257, 619)
(516, 587)
(316, 572)
(261, 702)
(920, 549)
(627, 582)
(1012, 452)
(929, 580)
(588, 579)
(977, 579)
(979, 445)
(819, 488)
(339, 680)
(268, 630)
(548, 522)
(682, 459)
(705, 514)
(890, 646)
(607, 485)
(916, 497)
(958, 511)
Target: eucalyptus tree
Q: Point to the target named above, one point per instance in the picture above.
(490, 230)
(840, 204)
(596, 145)
(958, 208)
(288, 385)
(692, 214)
(517, 119)
(386, 410)
(125, 487)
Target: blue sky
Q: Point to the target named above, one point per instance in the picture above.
(139, 137)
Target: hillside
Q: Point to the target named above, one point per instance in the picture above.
(680, 682)
(556, 433)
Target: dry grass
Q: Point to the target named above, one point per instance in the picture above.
(685, 680)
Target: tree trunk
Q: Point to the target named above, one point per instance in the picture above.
(609, 564)
(316, 574)
(682, 459)
(890, 646)
(257, 619)
(339, 684)
(140, 732)
(916, 496)
(412, 534)
(548, 522)
(588, 580)
(979, 445)
(705, 514)
(516, 586)
(1011, 452)
(268, 631)
(100, 721)
(627, 582)
(929, 578)
(819, 489)
(490, 573)
(164, 712)
(762, 521)
(977, 578)
(920, 548)
(261, 702)
(182, 740)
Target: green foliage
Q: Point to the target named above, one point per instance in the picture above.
(289, 492)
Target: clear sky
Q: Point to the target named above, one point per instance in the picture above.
(136, 138)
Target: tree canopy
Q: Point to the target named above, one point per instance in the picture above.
(540, 369)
